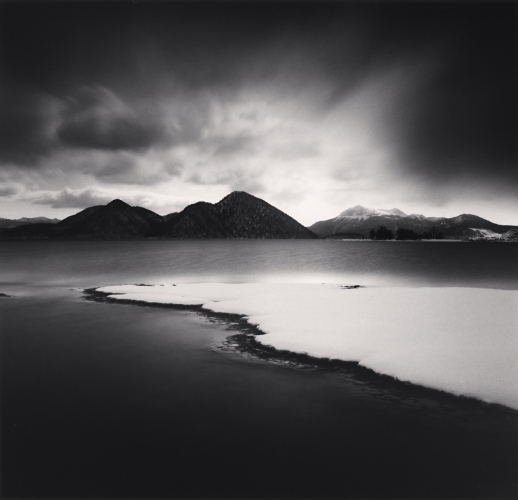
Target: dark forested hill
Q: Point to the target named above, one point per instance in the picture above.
(238, 215)
(113, 221)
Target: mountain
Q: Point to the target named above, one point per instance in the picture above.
(361, 220)
(9, 223)
(359, 211)
(115, 220)
(239, 215)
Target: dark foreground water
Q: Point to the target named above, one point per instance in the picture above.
(114, 400)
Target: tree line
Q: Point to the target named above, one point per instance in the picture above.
(383, 233)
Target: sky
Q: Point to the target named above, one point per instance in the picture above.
(313, 107)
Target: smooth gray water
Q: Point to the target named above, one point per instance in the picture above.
(87, 264)
(115, 400)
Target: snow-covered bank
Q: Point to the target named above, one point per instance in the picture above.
(460, 340)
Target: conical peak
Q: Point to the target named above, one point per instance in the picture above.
(237, 195)
(117, 204)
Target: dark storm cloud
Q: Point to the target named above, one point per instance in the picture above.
(34, 124)
(125, 168)
(8, 191)
(197, 46)
(118, 168)
(96, 118)
(465, 120)
(461, 120)
(27, 124)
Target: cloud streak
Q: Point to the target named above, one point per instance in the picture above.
(72, 199)
(96, 118)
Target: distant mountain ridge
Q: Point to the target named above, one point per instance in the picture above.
(238, 215)
(9, 223)
(361, 220)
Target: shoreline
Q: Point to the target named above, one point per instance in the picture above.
(246, 344)
(135, 401)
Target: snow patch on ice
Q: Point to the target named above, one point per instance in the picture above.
(460, 340)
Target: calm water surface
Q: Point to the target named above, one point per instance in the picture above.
(370, 263)
(112, 400)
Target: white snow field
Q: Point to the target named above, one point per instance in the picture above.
(460, 340)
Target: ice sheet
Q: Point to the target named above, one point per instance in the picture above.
(460, 340)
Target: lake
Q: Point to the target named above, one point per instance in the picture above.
(119, 400)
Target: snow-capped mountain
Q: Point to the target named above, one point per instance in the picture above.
(359, 212)
(360, 220)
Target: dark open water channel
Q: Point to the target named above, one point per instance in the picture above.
(115, 400)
